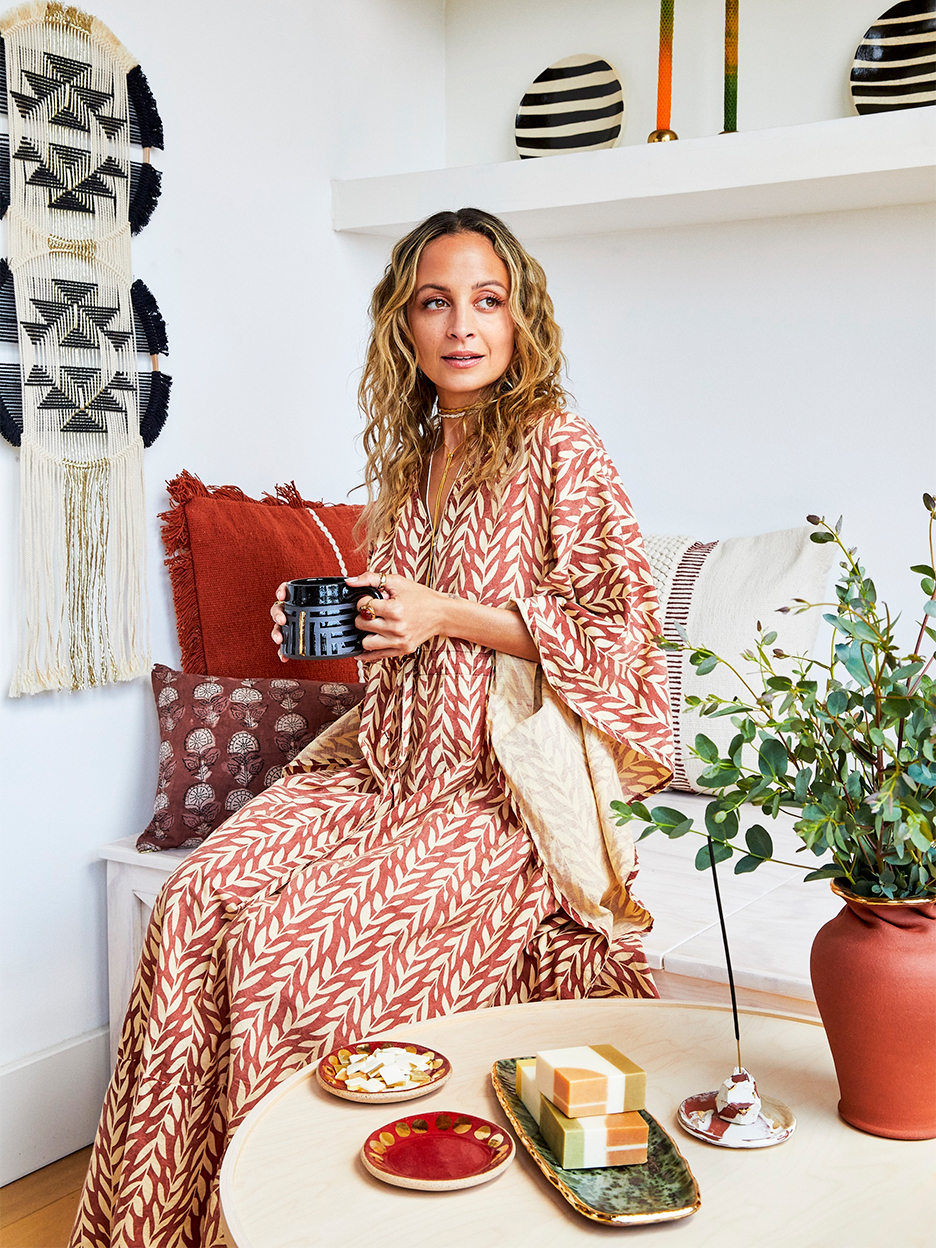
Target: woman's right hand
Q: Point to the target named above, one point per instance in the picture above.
(278, 616)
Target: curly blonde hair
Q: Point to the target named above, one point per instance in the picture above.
(397, 398)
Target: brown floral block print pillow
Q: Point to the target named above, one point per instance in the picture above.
(223, 741)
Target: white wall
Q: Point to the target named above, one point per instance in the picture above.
(266, 311)
(746, 374)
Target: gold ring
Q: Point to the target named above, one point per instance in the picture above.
(278, 606)
(368, 612)
(382, 582)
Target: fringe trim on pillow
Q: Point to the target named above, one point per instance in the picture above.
(144, 104)
(157, 408)
(175, 537)
(145, 197)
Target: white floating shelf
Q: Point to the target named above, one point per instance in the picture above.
(826, 166)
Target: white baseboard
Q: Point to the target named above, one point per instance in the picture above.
(51, 1102)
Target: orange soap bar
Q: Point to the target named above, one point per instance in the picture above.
(588, 1081)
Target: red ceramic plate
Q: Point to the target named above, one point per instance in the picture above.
(329, 1072)
(438, 1152)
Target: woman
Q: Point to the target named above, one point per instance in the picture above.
(444, 846)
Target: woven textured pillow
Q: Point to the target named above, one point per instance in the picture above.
(718, 591)
(223, 741)
(226, 554)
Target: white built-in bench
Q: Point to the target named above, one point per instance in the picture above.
(772, 915)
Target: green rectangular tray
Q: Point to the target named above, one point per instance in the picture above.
(661, 1189)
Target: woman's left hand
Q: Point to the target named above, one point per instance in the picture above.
(406, 616)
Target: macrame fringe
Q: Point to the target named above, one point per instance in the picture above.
(22, 15)
(157, 408)
(68, 15)
(8, 426)
(145, 197)
(154, 327)
(82, 586)
(144, 104)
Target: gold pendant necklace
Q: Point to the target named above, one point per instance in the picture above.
(437, 510)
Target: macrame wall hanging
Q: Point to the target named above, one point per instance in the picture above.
(76, 402)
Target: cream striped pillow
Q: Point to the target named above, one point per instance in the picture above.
(718, 591)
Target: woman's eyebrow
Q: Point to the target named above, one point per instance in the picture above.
(447, 290)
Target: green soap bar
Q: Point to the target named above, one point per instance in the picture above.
(635, 1088)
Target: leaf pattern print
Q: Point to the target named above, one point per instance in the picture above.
(403, 867)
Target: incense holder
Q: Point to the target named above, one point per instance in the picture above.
(736, 1116)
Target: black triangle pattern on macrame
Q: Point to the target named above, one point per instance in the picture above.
(75, 317)
(66, 172)
(81, 396)
(65, 99)
(153, 389)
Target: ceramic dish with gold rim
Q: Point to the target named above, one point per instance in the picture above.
(660, 1190)
(332, 1073)
(438, 1151)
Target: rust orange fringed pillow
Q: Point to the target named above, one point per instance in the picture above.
(223, 741)
(226, 554)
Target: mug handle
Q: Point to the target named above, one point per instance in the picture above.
(372, 590)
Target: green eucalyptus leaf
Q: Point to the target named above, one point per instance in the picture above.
(758, 841)
(772, 759)
(719, 777)
(918, 838)
(706, 749)
(667, 819)
(830, 872)
(768, 639)
(837, 702)
(821, 538)
(897, 707)
(707, 665)
(721, 851)
(747, 863)
(721, 824)
(639, 811)
(801, 786)
(924, 569)
(922, 774)
(930, 608)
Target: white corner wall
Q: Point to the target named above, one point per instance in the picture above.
(266, 312)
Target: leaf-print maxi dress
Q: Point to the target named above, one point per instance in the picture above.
(443, 847)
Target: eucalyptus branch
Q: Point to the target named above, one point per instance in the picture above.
(854, 766)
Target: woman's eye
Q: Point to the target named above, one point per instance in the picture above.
(436, 302)
(490, 301)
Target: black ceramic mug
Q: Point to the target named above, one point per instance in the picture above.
(320, 613)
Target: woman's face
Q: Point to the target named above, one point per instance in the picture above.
(459, 319)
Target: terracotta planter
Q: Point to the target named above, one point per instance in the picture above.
(873, 970)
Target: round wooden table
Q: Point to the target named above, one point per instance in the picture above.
(292, 1176)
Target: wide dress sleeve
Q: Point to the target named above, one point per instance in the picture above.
(592, 724)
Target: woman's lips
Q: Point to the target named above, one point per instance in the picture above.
(462, 361)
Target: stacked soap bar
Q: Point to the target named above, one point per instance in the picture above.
(585, 1103)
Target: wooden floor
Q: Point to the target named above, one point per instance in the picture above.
(38, 1211)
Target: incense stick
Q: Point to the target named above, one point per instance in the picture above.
(724, 933)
